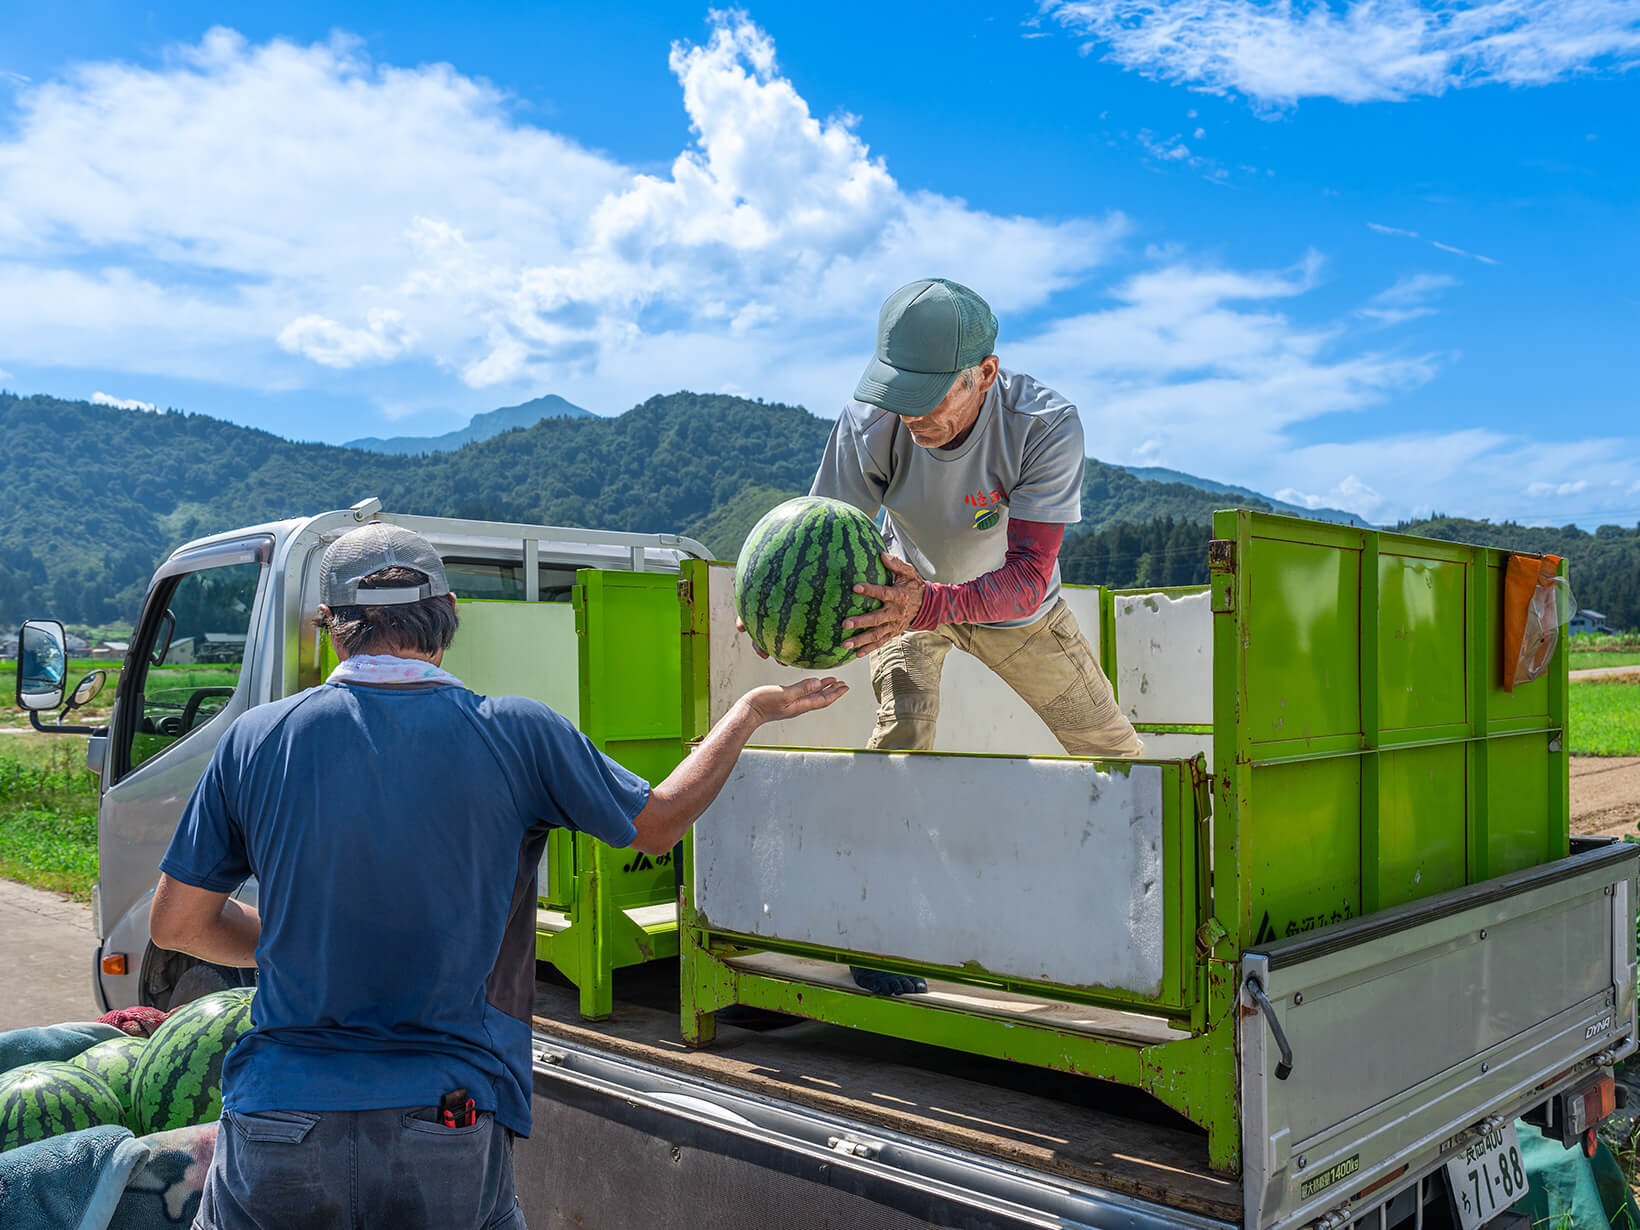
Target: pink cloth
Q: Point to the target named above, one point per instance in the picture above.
(138, 1022)
(1013, 591)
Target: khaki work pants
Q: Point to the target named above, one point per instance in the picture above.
(1048, 662)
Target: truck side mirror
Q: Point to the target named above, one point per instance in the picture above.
(42, 664)
(86, 689)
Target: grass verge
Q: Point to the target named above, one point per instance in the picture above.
(48, 814)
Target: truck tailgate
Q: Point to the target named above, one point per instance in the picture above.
(1409, 1028)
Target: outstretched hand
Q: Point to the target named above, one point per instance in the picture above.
(773, 703)
(900, 603)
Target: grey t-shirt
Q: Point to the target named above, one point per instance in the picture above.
(948, 509)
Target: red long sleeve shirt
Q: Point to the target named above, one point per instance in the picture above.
(1013, 591)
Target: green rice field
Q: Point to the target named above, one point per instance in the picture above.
(1605, 717)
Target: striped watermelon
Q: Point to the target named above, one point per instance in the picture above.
(178, 1080)
(794, 582)
(114, 1062)
(39, 1100)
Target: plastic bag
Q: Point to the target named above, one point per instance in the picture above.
(1538, 603)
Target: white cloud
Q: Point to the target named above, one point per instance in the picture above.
(1359, 51)
(1407, 299)
(1199, 369)
(324, 341)
(1474, 256)
(120, 403)
(308, 206)
(1444, 247)
(1537, 491)
(1352, 495)
(275, 216)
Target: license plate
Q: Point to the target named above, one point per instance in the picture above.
(1487, 1177)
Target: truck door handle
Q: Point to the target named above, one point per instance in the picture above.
(1284, 1069)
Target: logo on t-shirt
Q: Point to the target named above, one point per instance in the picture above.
(984, 504)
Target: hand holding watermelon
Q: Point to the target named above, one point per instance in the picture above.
(900, 603)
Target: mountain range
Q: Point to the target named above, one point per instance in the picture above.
(98, 495)
(479, 427)
(1159, 474)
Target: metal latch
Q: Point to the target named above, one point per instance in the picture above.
(549, 1056)
(686, 590)
(866, 1149)
(1284, 1069)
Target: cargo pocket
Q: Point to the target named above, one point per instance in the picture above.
(280, 1127)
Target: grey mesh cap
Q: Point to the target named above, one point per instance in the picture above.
(928, 333)
(365, 551)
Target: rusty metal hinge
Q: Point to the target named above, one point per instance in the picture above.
(686, 590)
(1208, 935)
(1221, 555)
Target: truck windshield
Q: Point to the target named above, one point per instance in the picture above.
(191, 675)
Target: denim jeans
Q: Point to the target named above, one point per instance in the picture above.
(396, 1169)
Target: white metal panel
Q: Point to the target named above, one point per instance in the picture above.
(1164, 658)
(978, 712)
(1047, 870)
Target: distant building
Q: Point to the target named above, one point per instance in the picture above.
(111, 649)
(221, 647)
(1591, 622)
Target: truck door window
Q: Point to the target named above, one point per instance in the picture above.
(192, 653)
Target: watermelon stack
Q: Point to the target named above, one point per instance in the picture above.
(114, 1063)
(178, 1079)
(795, 579)
(38, 1100)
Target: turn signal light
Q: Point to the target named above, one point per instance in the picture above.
(114, 963)
(1588, 1104)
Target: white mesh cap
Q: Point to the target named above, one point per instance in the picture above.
(367, 550)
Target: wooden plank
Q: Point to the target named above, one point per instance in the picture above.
(1076, 1128)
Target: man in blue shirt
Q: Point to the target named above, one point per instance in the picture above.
(394, 820)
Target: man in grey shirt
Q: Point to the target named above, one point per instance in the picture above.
(980, 470)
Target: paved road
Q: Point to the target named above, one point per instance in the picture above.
(45, 958)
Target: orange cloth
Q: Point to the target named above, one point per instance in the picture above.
(1522, 579)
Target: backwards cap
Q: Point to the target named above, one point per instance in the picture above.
(367, 550)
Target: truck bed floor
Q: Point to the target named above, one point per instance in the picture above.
(1077, 1128)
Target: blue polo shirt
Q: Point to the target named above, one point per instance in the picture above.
(395, 832)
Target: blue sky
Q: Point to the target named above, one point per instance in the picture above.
(1379, 255)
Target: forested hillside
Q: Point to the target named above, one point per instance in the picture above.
(1604, 565)
(96, 496)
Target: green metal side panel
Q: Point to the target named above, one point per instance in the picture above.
(626, 626)
(1366, 751)
(628, 645)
